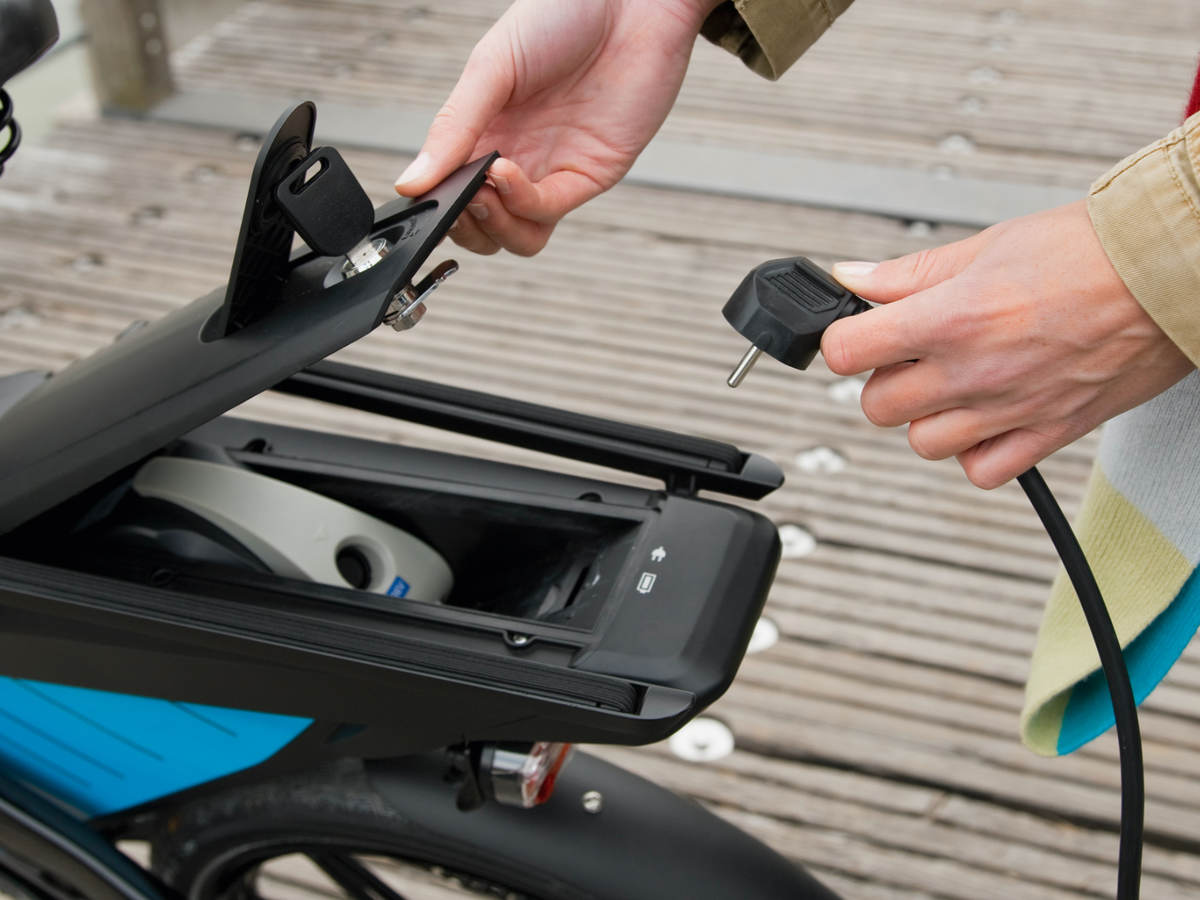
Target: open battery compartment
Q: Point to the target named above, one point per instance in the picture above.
(544, 554)
(106, 571)
(556, 599)
(534, 558)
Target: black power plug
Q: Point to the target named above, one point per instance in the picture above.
(783, 307)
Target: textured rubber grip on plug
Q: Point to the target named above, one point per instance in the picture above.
(784, 306)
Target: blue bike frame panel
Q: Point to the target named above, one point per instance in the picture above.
(102, 752)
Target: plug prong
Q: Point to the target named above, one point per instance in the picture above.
(745, 364)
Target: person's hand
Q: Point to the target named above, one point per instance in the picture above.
(1001, 348)
(569, 93)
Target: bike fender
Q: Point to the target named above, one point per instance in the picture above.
(645, 843)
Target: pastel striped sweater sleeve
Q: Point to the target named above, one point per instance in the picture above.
(1140, 520)
(1140, 528)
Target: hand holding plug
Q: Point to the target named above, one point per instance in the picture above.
(1001, 348)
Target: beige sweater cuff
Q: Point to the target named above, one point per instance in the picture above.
(769, 35)
(1146, 210)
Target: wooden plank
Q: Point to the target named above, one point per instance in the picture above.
(978, 733)
(1169, 755)
(960, 771)
(920, 677)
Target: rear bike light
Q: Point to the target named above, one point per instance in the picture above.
(522, 775)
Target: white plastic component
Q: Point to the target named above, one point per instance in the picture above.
(297, 533)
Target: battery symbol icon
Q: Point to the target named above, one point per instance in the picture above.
(646, 582)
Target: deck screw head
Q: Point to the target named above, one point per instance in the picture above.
(593, 802)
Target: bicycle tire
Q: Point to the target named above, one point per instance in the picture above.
(208, 847)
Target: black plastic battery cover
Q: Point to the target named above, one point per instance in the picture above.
(129, 399)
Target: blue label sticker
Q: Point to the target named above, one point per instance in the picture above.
(399, 588)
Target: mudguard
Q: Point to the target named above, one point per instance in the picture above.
(645, 843)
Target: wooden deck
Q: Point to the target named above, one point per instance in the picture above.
(876, 741)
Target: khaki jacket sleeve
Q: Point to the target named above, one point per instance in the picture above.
(769, 35)
(1146, 210)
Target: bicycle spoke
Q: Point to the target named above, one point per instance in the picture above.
(359, 882)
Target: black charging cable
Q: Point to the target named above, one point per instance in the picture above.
(1112, 662)
(9, 144)
(783, 307)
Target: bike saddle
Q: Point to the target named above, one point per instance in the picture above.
(28, 28)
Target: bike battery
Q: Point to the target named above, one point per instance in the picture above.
(581, 610)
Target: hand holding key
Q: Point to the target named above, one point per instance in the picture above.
(569, 93)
